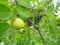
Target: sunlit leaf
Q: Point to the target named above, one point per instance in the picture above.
(23, 12)
(23, 3)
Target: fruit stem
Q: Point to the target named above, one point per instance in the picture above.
(37, 30)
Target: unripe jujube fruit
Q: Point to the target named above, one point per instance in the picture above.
(22, 30)
(18, 23)
(58, 18)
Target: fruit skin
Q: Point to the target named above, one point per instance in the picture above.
(58, 18)
(18, 23)
(22, 30)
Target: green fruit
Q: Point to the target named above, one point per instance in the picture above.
(58, 18)
(22, 30)
(18, 23)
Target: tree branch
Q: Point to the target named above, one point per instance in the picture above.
(37, 30)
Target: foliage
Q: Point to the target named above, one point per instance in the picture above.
(24, 9)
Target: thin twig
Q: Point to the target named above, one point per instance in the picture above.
(37, 30)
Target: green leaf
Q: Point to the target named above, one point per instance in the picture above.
(5, 12)
(5, 2)
(23, 12)
(3, 28)
(57, 6)
(23, 3)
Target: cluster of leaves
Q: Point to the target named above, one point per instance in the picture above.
(23, 9)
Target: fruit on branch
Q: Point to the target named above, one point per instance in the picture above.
(22, 30)
(18, 23)
(58, 18)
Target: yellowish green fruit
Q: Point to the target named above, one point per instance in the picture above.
(18, 23)
(22, 30)
(58, 18)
